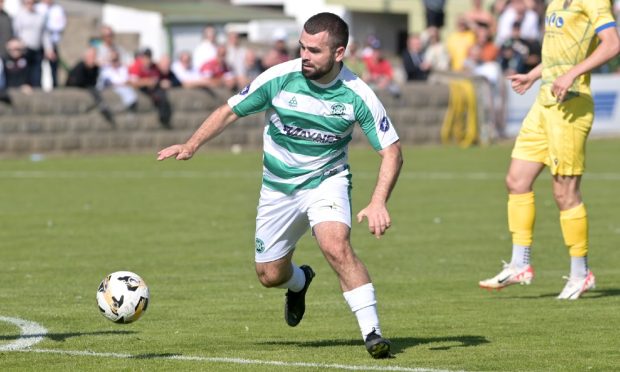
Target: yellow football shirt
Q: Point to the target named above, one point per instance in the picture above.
(570, 37)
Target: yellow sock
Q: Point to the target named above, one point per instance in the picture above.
(574, 224)
(521, 216)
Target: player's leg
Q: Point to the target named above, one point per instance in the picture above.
(358, 290)
(330, 218)
(569, 148)
(280, 223)
(529, 157)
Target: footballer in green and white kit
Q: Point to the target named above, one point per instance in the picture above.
(308, 126)
(312, 105)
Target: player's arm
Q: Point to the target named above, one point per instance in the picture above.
(520, 83)
(608, 48)
(213, 125)
(376, 212)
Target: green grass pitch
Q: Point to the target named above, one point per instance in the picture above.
(188, 229)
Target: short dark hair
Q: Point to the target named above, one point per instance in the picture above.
(335, 26)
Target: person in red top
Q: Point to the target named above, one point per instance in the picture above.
(218, 72)
(145, 76)
(380, 71)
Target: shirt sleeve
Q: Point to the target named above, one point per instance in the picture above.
(599, 13)
(375, 123)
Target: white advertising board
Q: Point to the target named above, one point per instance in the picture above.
(606, 93)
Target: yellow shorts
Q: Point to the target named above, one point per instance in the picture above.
(556, 135)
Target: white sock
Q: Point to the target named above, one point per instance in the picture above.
(297, 281)
(579, 267)
(362, 302)
(520, 255)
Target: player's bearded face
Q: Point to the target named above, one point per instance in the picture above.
(315, 71)
(317, 58)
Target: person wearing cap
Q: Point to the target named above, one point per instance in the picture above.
(279, 51)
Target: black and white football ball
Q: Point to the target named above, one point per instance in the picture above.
(123, 297)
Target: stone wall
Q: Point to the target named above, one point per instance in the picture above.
(68, 120)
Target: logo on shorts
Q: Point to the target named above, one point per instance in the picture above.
(245, 90)
(259, 245)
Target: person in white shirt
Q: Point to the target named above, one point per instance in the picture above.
(115, 75)
(55, 23)
(29, 27)
(517, 11)
(206, 50)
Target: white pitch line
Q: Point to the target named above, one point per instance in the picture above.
(238, 361)
(30, 334)
(447, 176)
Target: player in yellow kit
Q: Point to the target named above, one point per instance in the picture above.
(580, 35)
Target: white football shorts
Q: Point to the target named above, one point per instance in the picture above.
(283, 219)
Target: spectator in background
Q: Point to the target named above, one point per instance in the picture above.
(517, 11)
(29, 27)
(518, 55)
(4, 96)
(188, 76)
(435, 15)
(167, 77)
(115, 75)
(354, 61)
(206, 50)
(459, 42)
(145, 76)
(479, 16)
(86, 72)
(413, 60)
(16, 69)
(108, 47)
(278, 53)
(253, 64)
(435, 54)
(235, 58)
(55, 23)
(6, 30)
(217, 71)
(85, 75)
(380, 71)
(484, 39)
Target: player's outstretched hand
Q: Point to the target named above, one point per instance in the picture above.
(520, 83)
(378, 218)
(180, 152)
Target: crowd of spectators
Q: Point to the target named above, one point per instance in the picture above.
(30, 41)
(489, 42)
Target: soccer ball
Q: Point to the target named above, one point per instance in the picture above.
(123, 297)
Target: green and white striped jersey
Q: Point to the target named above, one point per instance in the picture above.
(309, 125)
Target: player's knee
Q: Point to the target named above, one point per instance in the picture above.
(517, 185)
(269, 278)
(339, 255)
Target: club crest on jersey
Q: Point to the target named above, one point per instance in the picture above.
(384, 125)
(554, 20)
(245, 90)
(338, 109)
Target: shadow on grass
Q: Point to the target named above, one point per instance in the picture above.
(61, 337)
(590, 295)
(398, 343)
